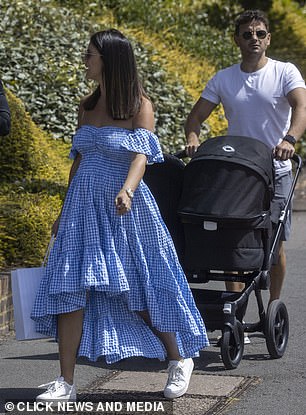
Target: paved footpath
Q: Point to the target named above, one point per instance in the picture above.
(24, 365)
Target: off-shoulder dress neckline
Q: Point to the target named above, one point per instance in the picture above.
(106, 126)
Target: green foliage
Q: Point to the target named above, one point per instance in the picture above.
(19, 155)
(40, 54)
(25, 224)
(32, 186)
(264, 5)
(288, 44)
(201, 28)
(41, 64)
(26, 153)
(171, 102)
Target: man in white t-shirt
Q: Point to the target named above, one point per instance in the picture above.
(264, 99)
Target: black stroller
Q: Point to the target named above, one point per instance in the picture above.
(231, 233)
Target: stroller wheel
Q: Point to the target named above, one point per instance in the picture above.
(277, 329)
(232, 349)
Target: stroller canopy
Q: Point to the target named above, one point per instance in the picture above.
(226, 203)
(229, 177)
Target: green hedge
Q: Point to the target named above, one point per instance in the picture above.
(41, 64)
(27, 152)
(25, 224)
(33, 178)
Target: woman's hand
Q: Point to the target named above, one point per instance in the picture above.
(55, 225)
(123, 202)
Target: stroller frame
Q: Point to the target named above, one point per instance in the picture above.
(224, 310)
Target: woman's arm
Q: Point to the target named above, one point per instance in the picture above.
(124, 198)
(123, 201)
(73, 170)
(74, 167)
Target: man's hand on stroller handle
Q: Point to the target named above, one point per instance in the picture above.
(283, 151)
(192, 144)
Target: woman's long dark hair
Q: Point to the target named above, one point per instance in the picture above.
(122, 86)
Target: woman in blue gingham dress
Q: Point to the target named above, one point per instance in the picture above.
(113, 285)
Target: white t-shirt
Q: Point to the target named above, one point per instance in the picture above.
(255, 103)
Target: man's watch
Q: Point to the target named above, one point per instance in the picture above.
(290, 139)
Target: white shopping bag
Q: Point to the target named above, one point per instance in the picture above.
(25, 284)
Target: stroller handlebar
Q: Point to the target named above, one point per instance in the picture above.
(296, 157)
(180, 154)
(298, 160)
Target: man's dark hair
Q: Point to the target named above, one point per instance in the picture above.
(248, 16)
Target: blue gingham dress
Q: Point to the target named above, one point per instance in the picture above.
(112, 266)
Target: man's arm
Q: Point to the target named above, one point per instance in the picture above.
(297, 101)
(199, 113)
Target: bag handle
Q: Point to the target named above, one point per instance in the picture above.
(51, 242)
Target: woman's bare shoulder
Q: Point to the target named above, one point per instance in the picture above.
(146, 104)
(145, 116)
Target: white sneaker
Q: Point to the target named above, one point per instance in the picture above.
(57, 391)
(246, 339)
(179, 377)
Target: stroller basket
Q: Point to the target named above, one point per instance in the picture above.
(225, 205)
